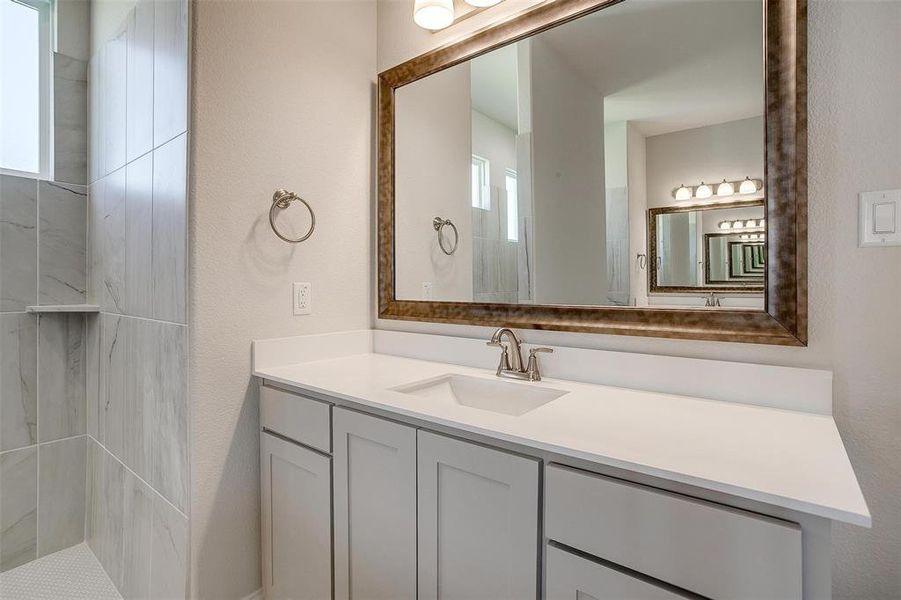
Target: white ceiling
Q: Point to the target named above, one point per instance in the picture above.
(493, 80)
(670, 65)
(665, 65)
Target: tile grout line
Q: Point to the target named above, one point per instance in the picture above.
(141, 479)
(150, 319)
(47, 443)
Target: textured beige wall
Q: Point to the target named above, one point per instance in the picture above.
(855, 326)
(283, 96)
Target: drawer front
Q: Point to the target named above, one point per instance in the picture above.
(706, 548)
(570, 577)
(296, 417)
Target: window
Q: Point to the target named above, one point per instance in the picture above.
(25, 86)
(481, 194)
(512, 207)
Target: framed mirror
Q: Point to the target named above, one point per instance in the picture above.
(575, 168)
(702, 249)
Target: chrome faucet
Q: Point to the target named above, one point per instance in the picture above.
(510, 364)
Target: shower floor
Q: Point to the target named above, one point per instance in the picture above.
(70, 574)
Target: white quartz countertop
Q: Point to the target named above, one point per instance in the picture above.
(785, 458)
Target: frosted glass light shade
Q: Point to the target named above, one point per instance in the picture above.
(725, 225)
(750, 223)
(683, 193)
(433, 14)
(482, 3)
(703, 191)
(725, 189)
(747, 186)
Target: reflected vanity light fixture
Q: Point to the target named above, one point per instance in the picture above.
(742, 225)
(703, 191)
(433, 14)
(725, 189)
(748, 186)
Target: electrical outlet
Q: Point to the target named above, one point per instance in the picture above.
(426, 290)
(303, 298)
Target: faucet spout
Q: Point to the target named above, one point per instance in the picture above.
(513, 348)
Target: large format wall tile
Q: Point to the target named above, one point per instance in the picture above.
(170, 70)
(95, 242)
(143, 341)
(18, 380)
(61, 372)
(92, 374)
(136, 540)
(169, 436)
(95, 115)
(62, 267)
(169, 230)
(70, 119)
(114, 101)
(18, 507)
(113, 377)
(106, 511)
(139, 236)
(112, 243)
(169, 552)
(61, 498)
(139, 113)
(18, 242)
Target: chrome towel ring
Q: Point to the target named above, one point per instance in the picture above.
(281, 200)
(438, 223)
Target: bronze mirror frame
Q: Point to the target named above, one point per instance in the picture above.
(784, 320)
(655, 288)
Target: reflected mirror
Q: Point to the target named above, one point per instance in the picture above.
(528, 174)
(717, 248)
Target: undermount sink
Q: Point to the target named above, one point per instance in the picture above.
(495, 396)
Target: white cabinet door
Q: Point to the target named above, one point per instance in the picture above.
(296, 502)
(570, 577)
(375, 507)
(478, 522)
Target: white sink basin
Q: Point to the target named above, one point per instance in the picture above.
(497, 396)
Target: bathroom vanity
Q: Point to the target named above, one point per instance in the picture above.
(387, 476)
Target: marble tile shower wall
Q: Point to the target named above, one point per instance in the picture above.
(42, 368)
(495, 258)
(137, 379)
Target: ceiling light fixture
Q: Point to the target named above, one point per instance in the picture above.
(433, 14)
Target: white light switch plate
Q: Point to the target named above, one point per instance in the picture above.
(879, 218)
(303, 298)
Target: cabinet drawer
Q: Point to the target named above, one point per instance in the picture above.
(296, 417)
(712, 550)
(570, 576)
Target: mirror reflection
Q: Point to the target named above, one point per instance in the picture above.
(704, 248)
(528, 175)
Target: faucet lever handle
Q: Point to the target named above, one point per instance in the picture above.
(534, 351)
(532, 369)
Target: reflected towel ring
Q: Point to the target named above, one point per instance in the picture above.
(438, 223)
(282, 199)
